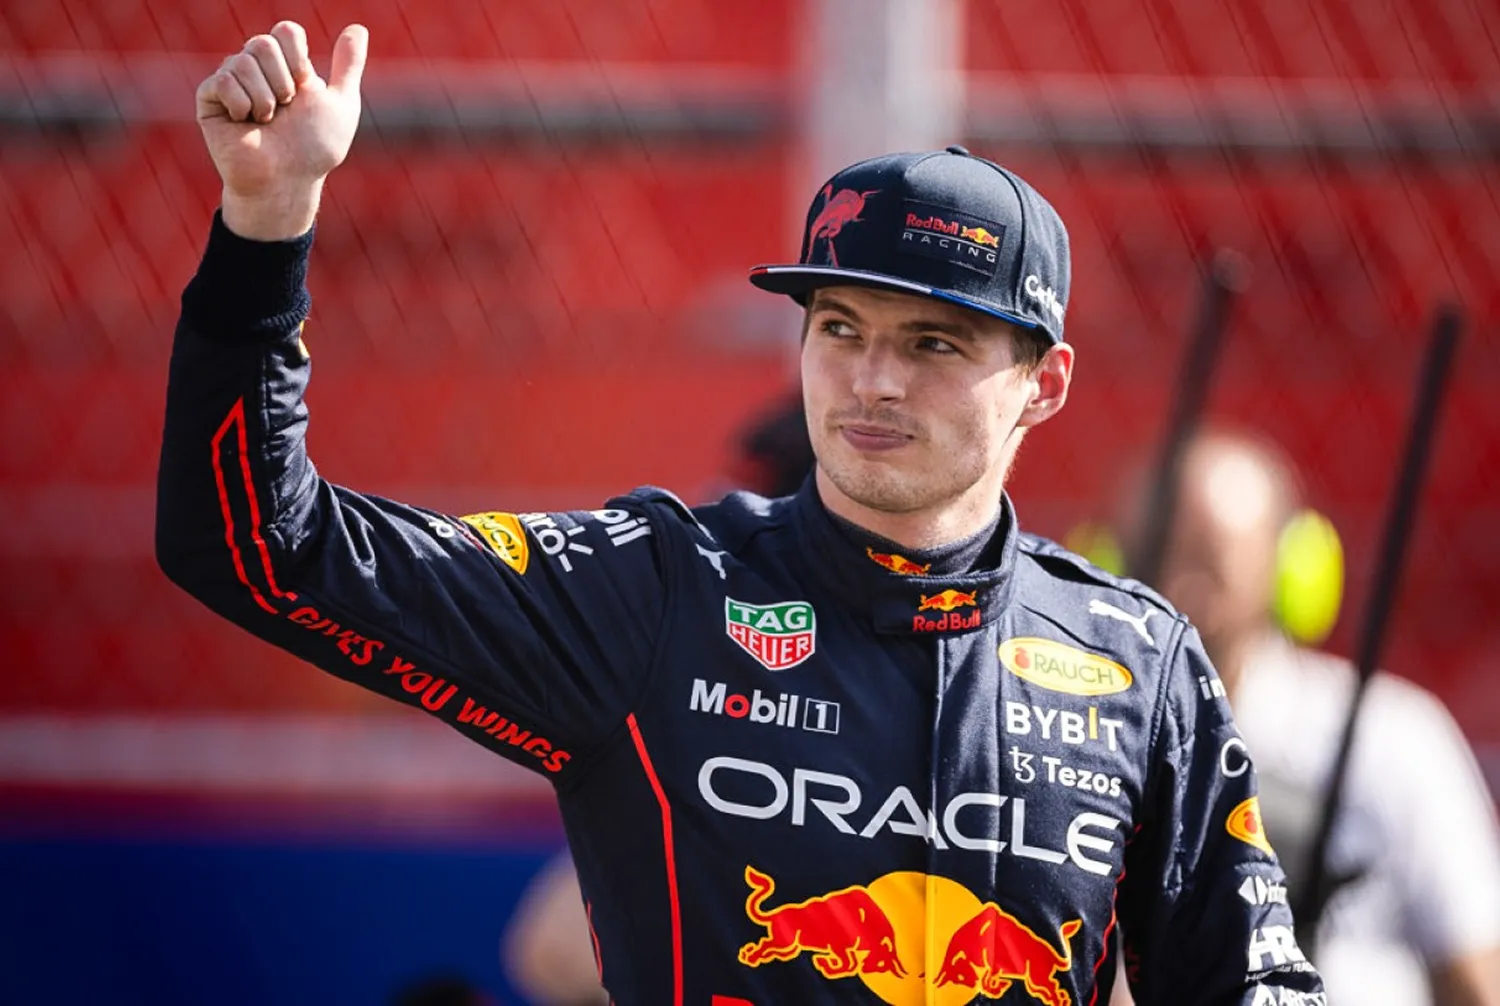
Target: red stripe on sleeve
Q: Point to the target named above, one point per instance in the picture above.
(255, 536)
(236, 416)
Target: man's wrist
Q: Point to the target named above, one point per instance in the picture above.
(272, 216)
(248, 287)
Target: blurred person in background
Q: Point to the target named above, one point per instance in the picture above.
(775, 455)
(1416, 917)
(547, 949)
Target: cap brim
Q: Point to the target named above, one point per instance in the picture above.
(798, 281)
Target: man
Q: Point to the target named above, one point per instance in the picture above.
(1416, 840)
(865, 744)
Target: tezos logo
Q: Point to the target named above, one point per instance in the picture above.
(1061, 668)
(778, 635)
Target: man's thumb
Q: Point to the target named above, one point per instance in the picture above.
(349, 58)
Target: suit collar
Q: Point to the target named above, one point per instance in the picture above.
(898, 595)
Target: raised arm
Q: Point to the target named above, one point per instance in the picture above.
(473, 620)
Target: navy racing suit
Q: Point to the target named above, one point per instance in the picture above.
(791, 770)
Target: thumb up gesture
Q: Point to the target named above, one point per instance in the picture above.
(275, 129)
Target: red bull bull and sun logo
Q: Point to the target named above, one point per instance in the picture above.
(951, 620)
(947, 601)
(897, 563)
(880, 933)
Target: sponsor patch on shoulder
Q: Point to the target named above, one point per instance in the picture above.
(1246, 825)
(505, 536)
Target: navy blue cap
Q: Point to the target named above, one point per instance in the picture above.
(943, 224)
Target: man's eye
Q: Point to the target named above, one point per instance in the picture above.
(932, 344)
(834, 326)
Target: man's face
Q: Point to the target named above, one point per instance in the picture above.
(912, 402)
(1220, 560)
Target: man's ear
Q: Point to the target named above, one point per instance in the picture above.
(1051, 378)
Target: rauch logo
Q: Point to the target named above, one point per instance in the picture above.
(778, 635)
(1061, 668)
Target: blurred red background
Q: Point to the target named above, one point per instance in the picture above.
(529, 294)
(521, 320)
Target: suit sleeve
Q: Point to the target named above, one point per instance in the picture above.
(529, 633)
(1203, 904)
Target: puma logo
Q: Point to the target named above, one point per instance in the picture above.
(1137, 622)
(715, 559)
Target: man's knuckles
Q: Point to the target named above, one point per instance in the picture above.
(267, 55)
(292, 37)
(262, 47)
(222, 89)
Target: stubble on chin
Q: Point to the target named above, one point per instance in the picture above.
(878, 487)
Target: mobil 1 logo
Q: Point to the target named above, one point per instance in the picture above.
(819, 716)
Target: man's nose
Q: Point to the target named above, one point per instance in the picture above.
(879, 375)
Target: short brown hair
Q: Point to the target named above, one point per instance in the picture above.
(1030, 345)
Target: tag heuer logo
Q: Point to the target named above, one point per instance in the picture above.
(778, 635)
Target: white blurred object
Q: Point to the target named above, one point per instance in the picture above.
(1418, 822)
(1417, 819)
(880, 76)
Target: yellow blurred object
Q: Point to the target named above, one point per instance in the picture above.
(1309, 577)
(1098, 545)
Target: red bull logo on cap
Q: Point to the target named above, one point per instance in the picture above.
(897, 563)
(980, 236)
(881, 933)
(945, 234)
(840, 209)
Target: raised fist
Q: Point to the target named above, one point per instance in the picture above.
(273, 127)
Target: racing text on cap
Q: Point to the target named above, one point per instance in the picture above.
(950, 236)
